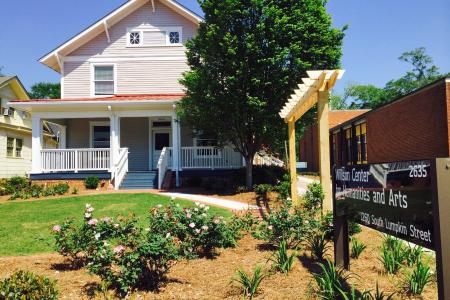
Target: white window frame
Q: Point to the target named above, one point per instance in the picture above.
(93, 65)
(141, 39)
(166, 30)
(92, 124)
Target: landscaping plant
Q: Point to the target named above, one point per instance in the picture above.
(317, 244)
(284, 224)
(420, 276)
(331, 281)
(91, 182)
(195, 231)
(249, 283)
(314, 196)
(392, 254)
(379, 295)
(413, 255)
(282, 261)
(26, 285)
(357, 247)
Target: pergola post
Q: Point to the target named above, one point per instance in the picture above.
(324, 148)
(315, 89)
(292, 161)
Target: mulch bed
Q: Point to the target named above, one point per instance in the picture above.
(210, 278)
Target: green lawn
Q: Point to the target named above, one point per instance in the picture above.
(25, 227)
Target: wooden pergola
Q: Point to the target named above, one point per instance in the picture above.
(314, 90)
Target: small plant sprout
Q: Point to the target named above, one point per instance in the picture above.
(357, 248)
(420, 277)
(249, 283)
(282, 261)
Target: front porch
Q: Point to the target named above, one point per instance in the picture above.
(132, 150)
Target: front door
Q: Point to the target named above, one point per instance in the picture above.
(161, 139)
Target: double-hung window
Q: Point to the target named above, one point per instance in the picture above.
(104, 80)
(14, 147)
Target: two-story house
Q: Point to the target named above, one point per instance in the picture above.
(15, 130)
(120, 87)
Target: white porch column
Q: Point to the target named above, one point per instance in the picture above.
(176, 148)
(36, 144)
(114, 141)
(62, 137)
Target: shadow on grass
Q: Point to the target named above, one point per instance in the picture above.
(266, 247)
(66, 266)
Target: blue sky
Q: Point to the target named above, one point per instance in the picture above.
(379, 32)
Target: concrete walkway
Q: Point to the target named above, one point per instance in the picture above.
(230, 204)
(302, 184)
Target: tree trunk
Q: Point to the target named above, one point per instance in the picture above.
(249, 173)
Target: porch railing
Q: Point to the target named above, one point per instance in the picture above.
(74, 160)
(121, 168)
(210, 158)
(163, 164)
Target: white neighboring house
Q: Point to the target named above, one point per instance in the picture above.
(15, 130)
(120, 86)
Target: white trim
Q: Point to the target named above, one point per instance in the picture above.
(92, 103)
(114, 59)
(92, 124)
(141, 38)
(167, 130)
(105, 24)
(92, 67)
(165, 30)
(102, 114)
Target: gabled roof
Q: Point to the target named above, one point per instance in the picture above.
(53, 60)
(16, 85)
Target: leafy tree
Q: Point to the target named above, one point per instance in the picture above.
(45, 90)
(423, 72)
(338, 102)
(245, 61)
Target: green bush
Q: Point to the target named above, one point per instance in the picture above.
(262, 190)
(26, 285)
(314, 196)
(283, 187)
(392, 254)
(317, 244)
(61, 188)
(330, 282)
(91, 182)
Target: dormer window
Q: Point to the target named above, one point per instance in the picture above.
(135, 38)
(174, 37)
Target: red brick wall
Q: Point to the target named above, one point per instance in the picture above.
(309, 151)
(415, 127)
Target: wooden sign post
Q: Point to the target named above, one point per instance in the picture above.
(409, 200)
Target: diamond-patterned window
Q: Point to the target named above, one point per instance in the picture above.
(135, 38)
(174, 37)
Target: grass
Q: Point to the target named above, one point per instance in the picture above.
(25, 226)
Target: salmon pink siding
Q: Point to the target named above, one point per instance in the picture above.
(139, 70)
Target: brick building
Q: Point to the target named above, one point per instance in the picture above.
(412, 127)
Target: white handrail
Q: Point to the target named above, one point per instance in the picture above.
(121, 167)
(163, 164)
(61, 160)
(210, 158)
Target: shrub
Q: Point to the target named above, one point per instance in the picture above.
(241, 189)
(283, 225)
(91, 182)
(416, 281)
(249, 283)
(26, 285)
(331, 281)
(284, 188)
(262, 190)
(314, 196)
(75, 241)
(15, 184)
(327, 226)
(357, 248)
(196, 232)
(61, 188)
(246, 222)
(282, 261)
(392, 255)
(131, 263)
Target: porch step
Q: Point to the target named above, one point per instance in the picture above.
(140, 181)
